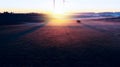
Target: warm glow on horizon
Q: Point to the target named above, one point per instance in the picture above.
(58, 22)
(58, 13)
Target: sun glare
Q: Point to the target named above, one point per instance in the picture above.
(58, 13)
(58, 17)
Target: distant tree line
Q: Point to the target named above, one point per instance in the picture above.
(19, 18)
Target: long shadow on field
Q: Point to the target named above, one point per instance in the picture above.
(12, 37)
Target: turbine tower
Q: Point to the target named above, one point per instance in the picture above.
(63, 2)
(54, 3)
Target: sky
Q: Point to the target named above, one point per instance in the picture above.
(70, 5)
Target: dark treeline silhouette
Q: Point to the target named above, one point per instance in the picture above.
(7, 18)
(92, 14)
(113, 19)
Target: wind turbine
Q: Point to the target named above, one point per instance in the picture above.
(63, 2)
(54, 3)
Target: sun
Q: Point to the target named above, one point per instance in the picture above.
(58, 13)
(59, 16)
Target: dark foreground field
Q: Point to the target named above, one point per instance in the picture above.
(69, 44)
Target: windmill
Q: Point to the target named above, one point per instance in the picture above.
(54, 3)
(63, 2)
